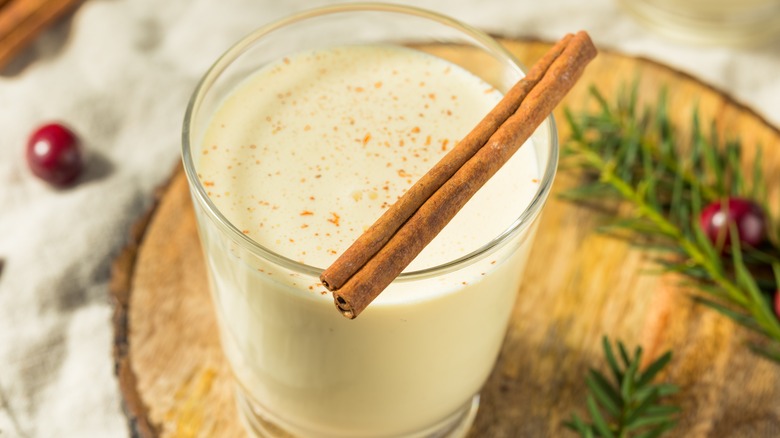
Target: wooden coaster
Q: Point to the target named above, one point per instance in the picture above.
(579, 286)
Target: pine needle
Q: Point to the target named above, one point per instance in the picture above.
(635, 155)
(629, 404)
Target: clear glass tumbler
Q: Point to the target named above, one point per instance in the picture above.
(400, 368)
(711, 22)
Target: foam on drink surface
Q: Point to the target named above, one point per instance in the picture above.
(309, 151)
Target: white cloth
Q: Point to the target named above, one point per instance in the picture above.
(120, 73)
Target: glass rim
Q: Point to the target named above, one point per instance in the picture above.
(198, 190)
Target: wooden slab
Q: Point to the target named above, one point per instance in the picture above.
(578, 286)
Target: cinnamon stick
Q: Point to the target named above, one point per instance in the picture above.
(22, 20)
(373, 238)
(388, 246)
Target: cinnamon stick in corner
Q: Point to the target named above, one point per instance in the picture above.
(389, 245)
(22, 20)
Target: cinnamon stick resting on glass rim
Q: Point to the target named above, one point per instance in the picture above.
(388, 246)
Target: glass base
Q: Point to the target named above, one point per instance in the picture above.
(256, 422)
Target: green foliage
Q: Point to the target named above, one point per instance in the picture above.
(626, 403)
(636, 155)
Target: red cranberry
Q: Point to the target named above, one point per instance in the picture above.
(54, 154)
(777, 304)
(717, 218)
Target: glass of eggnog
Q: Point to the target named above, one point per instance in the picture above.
(295, 141)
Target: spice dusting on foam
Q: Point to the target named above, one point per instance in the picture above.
(309, 151)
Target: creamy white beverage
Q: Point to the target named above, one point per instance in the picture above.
(301, 157)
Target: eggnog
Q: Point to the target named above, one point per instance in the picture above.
(301, 157)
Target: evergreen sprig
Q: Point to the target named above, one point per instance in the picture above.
(637, 155)
(626, 403)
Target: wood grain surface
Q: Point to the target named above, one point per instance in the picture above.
(578, 286)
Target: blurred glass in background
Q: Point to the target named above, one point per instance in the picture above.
(712, 22)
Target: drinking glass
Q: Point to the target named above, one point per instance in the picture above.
(410, 368)
(712, 22)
